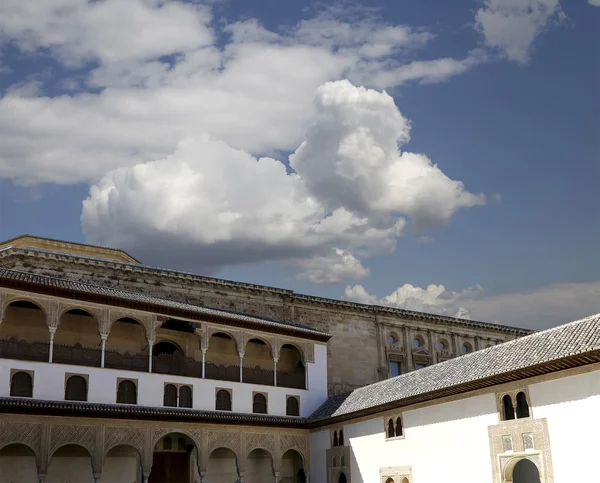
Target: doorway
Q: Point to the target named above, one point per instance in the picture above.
(525, 471)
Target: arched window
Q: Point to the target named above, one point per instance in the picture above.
(76, 389)
(167, 443)
(21, 385)
(341, 440)
(390, 430)
(127, 392)
(389, 480)
(335, 438)
(466, 348)
(292, 408)
(342, 461)
(334, 462)
(185, 397)
(522, 406)
(398, 426)
(181, 443)
(170, 396)
(259, 404)
(343, 479)
(223, 400)
(507, 408)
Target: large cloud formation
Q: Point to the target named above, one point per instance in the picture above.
(538, 309)
(351, 188)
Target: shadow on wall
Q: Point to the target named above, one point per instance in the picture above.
(575, 388)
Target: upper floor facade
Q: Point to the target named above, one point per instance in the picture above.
(64, 346)
(368, 343)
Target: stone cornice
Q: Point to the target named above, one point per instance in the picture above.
(287, 296)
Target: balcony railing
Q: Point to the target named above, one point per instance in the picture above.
(174, 364)
(24, 351)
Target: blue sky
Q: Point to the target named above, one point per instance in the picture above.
(472, 191)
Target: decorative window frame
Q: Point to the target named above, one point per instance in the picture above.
(254, 393)
(297, 398)
(230, 391)
(396, 357)
(331, 433)
(513, 395)
(27, 371)
(397, 473)
(87, 384)
(393, 418)
(137, 390)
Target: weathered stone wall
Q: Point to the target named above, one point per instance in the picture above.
(359, 350)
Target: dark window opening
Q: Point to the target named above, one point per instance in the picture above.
(223, 400)
(76, 389)
(21, 385)
(341, 440)
(127, 392)
(167, 443)
(170, 396)
(398, 427)
(185, 397)
(522, 406)
(259, 404)
(166, 348)
(292, 408)
(507, 408)
(391, 432)
(335, 438)
(394, 368)
(81, 313)
(178, 325)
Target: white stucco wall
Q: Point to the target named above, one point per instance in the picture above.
(572, 408)
(319, 444)
(49, 383)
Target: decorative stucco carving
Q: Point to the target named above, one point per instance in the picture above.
(85, 436)
(29, 434)
(116, 436)
(296, 442)
(260, 440)
(224, 439)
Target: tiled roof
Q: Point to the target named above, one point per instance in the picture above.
(72, 286)
(29, 406)
(576, 338)
(326, 302)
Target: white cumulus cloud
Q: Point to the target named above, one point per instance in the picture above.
(513, 25)
(220, 205)
(538, 309)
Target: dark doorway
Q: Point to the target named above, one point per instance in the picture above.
(525, 471)
(166, 348)
(170, 467)
(342, 478)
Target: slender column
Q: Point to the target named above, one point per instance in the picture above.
(150, 344)
(277, 477)
(51, 347)
(41, 478)
(241, 478)
(103, 348)
(203, 363)
(145, 478)
(306, 477)
(477, 343)
(241, 373)
(202, 477)
(96, 477)
(275, 371)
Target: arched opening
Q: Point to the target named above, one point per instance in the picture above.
(522, 406)
(258, 363)
(399, 430)
(127, 392)
(292, 407)
(259, 404)
(341, 438)
(174, 460)
(393, 338)
(525, 471)
(389, 480)
(76, 389)
(21, 384)
(342, 461)
(405, 480)
(466, 348)
(166, 348)
(222, 465)
(127, 346)
(122, 463)
(77, 339)
(335, 438)
(419, 342)
(18, 463)
(334, 462)
(185, 397)
(300, 476)
(390, 429)
(342, 478)
(443, 345)
(291, 371)
(71, 462)
(222, 359)
(170, 396)
(223, 400)
(291, 464)
(24, 334)
(169, 358)
(508, 409)
(259, 466)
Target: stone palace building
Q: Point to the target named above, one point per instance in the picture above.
(114, 371)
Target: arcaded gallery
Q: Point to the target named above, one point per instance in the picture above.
(112, 371)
